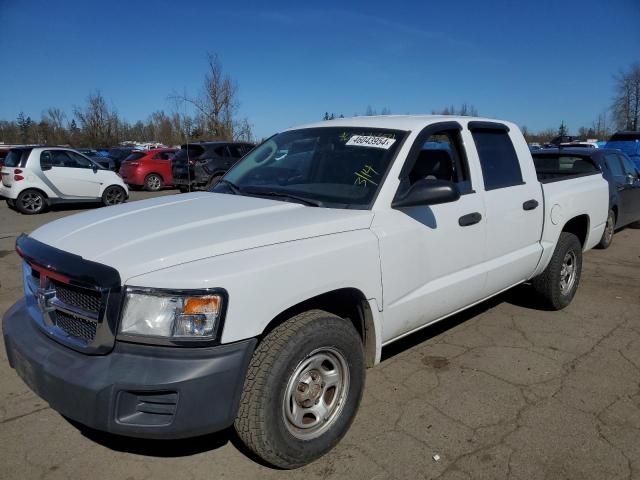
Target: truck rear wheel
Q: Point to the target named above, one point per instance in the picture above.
(607, 235)
(302, 389)
(558, 283)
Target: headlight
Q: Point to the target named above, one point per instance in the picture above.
(171, 314)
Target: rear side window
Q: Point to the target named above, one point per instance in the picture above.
(498, 159)
(17, 158)
(614, 164)
(220, 151)
(235, 151)
(191, 151)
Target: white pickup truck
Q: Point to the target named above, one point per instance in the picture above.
(262, 302)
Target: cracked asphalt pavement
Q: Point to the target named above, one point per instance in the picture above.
(504, 390)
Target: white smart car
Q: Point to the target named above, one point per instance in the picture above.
(36, 177)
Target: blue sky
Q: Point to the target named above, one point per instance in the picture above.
(534, 62)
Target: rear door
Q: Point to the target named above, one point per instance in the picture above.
(70, 174)
(513, 203)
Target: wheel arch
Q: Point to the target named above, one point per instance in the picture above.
(39, 190)
(348, 303)
(153, 172)
(579, 226)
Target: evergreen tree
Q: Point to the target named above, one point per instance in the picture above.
(563, 130)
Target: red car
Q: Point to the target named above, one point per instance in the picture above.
(150, 169)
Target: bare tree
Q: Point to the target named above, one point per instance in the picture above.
(626, 103)
(100, 124)
(217, 104)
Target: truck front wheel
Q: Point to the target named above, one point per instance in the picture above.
(558, 283)
(302, 390)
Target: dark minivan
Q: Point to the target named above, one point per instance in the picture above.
(199, 166)
(617, 169)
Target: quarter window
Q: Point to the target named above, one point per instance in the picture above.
(498, 158)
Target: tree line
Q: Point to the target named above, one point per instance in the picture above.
(215, 117)
(97, 124)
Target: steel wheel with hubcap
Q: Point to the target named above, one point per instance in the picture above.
(30, 202)
(568, 272)
(153, 182)
(113, 195)
(315, 393)
(558, 283)
(302, 389)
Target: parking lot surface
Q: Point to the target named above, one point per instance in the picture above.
(504, 390)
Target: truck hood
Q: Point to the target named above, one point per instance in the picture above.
(144, 236)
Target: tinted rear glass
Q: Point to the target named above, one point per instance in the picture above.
(564, 163)
(17, 157)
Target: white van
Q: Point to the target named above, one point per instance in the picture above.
(35, 177)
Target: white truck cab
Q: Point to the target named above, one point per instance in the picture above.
(260, 303)
(36, 177)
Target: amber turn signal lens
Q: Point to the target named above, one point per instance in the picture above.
(201, 305)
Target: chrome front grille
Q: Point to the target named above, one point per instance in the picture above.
(79, 328)
(77, 297)
(74, 315)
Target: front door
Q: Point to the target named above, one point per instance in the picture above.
(431, 256)
(70, 174)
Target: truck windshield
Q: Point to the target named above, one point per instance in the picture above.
(338, 167)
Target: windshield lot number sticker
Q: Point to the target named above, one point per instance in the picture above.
(371, 141)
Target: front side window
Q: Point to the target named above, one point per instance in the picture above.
(498, 158)
(75, 160)
(629, 166)
(442, 157)
(338, 167)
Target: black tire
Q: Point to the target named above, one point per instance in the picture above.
(113, 195)
(635, 225)
(607, 235)
(282, 360)
(31, 202)
(549, 284)
(153, 182)
(183, 189)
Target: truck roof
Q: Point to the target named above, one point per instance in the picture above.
(398, 122)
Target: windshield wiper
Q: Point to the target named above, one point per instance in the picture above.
(272, 193)
(235, 189)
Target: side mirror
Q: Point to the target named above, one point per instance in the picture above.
(94, 168)
(428, 192)
(45, 167)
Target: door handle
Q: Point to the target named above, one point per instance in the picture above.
(530, 205)
(469, 219)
